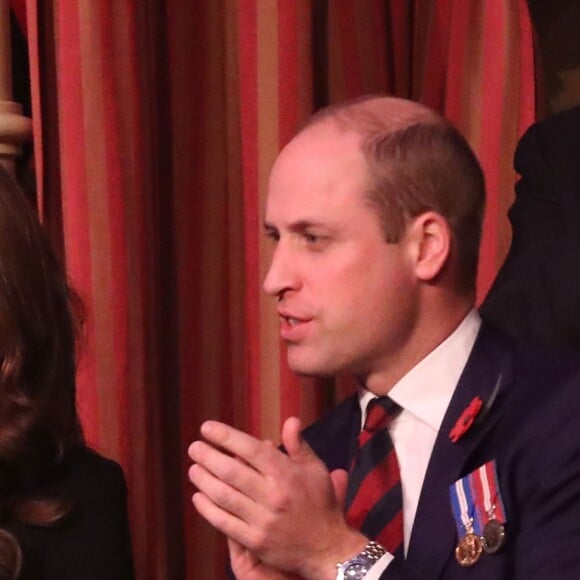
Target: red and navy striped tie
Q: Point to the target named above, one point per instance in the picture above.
(374, 499)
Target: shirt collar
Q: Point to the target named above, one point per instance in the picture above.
(426, 390)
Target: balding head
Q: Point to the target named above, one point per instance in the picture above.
(417, 162)
(374, 114)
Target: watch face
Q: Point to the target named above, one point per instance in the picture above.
(354, 570)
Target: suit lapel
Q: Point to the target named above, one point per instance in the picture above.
(486, 375)
(334, 437)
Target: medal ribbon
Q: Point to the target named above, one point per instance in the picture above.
(489, 503)
(467, 518)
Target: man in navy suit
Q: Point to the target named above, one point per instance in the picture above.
(375, 212)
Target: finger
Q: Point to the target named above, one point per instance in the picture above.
(236, 550)
(339, 478)
(221, 494)
(246, 565)
(231, 470)
(224, 521)
(263, 456)
(241, 560)
(292, 440)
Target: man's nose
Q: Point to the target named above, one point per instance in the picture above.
(282, 274)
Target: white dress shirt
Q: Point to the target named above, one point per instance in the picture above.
(424, 394)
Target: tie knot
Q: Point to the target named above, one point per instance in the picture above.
(380, 412)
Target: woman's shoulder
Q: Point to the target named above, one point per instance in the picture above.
(83, 471)
(92, 542)
(82, 461)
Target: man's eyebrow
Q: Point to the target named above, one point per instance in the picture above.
(296, 227)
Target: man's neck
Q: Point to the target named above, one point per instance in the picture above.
(425, 340)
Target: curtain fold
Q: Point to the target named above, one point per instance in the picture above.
(156, 124)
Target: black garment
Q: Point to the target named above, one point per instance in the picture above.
(93, 542)
(536, 295)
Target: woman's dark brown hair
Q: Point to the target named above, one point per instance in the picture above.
(38, 418)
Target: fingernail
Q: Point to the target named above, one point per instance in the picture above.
(206, 428)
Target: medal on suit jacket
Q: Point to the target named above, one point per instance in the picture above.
(490, 506)
(468, 522)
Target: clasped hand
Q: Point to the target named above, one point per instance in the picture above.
(281, 513)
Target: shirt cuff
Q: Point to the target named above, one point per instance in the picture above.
(379, 567)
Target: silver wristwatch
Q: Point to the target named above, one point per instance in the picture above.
(357, 567)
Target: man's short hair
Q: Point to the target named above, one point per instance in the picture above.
(417, 166)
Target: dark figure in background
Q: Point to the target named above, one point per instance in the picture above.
(536, 295)
(62, 506)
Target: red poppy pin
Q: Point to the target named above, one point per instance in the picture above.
(466, 419)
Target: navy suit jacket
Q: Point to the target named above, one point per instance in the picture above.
(530, 425)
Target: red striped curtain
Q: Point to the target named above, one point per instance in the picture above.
(156, 124)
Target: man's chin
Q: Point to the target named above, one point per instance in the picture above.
(310, 368)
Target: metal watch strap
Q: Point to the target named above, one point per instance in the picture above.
(370, 554)
(373, 551)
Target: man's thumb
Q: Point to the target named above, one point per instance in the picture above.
(292, 439)
(339, 479)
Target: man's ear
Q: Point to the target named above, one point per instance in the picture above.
(430, 236)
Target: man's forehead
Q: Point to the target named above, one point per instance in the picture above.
(319, 152)
(318, 192)
(328, 134)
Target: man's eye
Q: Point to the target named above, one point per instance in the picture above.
(315, 241)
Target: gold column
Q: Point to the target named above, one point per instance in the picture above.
(15, 128)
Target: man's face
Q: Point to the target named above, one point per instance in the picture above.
(346, 299)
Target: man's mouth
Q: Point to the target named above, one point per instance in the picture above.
(292, 328)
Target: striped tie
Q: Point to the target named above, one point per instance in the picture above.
(374, 501)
